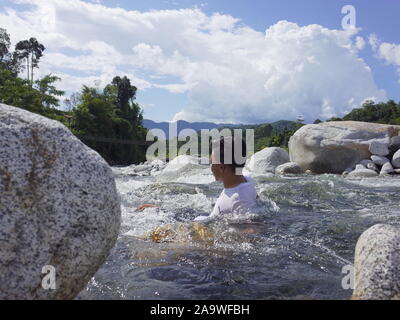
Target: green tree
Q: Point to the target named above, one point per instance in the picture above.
(111, 114)
(30, 50)
(48, 91)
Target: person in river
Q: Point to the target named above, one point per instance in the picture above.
(239, 194)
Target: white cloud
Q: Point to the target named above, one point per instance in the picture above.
(230, 72)
(373, 41)
(360, 43)
(389, 52)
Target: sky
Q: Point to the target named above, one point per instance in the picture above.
(225, 61)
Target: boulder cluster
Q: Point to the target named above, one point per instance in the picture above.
(385, 160)
(270, 161)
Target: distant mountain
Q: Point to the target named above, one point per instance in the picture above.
(277, 126)
(181, 124)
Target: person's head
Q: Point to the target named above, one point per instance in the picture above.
(228, 157)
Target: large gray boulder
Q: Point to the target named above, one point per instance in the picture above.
(266, 160)
(59, 208)
(377, 264)
(331, 147)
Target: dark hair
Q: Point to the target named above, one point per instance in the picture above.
(228, 144)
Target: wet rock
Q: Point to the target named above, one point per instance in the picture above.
(372, 166)
(363, 173)
(396, 159)
(365, 162)
(360, 167)
(379, 160)
(267, 160)
(394, 144)
(143, 167)
(379, 148)
(332, 147)
(59, 207)
(289, 168)
(180, 166)
(387, 169)
(377, 264)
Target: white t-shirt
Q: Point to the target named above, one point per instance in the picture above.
(240, 199)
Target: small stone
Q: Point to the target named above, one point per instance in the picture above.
(143, 167)
(378, 148)
(365, 162)
(363, 173)
(387, 169)
(372, 166)
(360, 167)
(347, 171)
(289, 168)
(396, 159)
(379, 160)
(394, 144)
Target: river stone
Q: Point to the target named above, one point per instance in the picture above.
(288, 168)
(394, 144)
(366, 162)
(379, 160)
(396, 159)
(58, 206)
(363, 173)
(377, 264)
(372, 166)
(182, 165)
(331, 147)
(142, 167)
(360, 167)
(379, 148)
(267, 160)
(387, 169)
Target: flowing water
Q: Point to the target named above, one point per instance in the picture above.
(294, 248)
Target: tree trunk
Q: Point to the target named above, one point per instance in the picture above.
(27, 67)
(31, 69)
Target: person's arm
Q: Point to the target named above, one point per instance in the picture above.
(215, 211)
(145, 206)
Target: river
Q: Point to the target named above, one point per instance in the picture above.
(294, 248)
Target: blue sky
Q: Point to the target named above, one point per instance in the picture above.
(214, 61)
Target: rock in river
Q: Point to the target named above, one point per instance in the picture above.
(377, 264)
(266, 160)
(59, 208)
(289, 168)
(331, 147)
